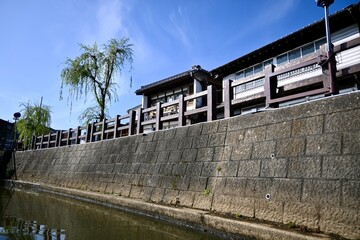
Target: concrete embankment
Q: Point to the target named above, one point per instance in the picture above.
(297, 166)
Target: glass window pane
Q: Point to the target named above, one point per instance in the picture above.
(294, 54)
(258, 68)
(249, 71)
(320, 42)
(268, 62)
(282, 59)
(239, 75)
(308, 49)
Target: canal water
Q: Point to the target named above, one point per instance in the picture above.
(40, 216)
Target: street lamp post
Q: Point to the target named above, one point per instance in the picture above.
(331, 62)
(17, 115)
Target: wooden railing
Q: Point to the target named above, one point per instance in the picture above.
(269, 93)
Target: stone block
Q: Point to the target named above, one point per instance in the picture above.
(210, 127)
(249, 168)
(203, 200)
(163, 156)
(194, 130)
(161, 146)
(169, 134)
(307, 126)
(205, 154)
(197, 184)
(189, 155)
(181, 183)
(275, 167)
(351, 143)
(175, 156)
(278, 131)
(157, 195)
(255, 134)
(216, 184)
(236, 186)
(304, 167)
(258, 187)
(343, 121)
(186, 198)
(322, 192)
(351, 194)
(209, 169)
(179, 169)
(263, 150)
(200, 141)
(221, 204)
(223, 125)
(171, 197)
(269, 210)
(235, 137)
(227, 168)
(137, 192)
(326, 144)
(194, 168)
(287, 190)
(172, 145)
(150, 146)
(242, 206)
(344, 167)
(291, 147)
(165, 169)
(241, 151)
(185, 143)
(181, 132)
(217, 140)
(344, 222)
(301, 214)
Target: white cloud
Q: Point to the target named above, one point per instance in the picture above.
(179, 27)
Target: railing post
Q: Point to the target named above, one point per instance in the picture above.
(68, 141)
(211, 103)
(60, 137)
(57, 137)
(140, 120)
(103, 129)
(41, 141)
(228, 96)
(270, 84)
(116, 125)
(88, 133)
(33, 142)
(181, 111)
(158, 124)
(78, 135)
(132, 122)
(92, 132)
(49, 138)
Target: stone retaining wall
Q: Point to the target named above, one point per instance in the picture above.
(296, 165)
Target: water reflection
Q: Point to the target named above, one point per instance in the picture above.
(29, 215)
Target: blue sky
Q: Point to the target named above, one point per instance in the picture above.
(169, 36)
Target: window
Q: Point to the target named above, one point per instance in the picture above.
(308, 49)
(282, 59)
(249, 71)
(239, 75)
(268, 62)
(320, 42)
(294, 54)
(258, 68)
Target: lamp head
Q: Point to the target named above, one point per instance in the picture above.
(324, 3)
(17, 115)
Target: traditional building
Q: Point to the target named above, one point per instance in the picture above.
(287, 71)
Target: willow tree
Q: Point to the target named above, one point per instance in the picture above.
(35, 120)
(94, 72)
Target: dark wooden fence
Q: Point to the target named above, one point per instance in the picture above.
(214, 105)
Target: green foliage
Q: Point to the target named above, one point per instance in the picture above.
(206, 192)
(94, 71)
(35, 120)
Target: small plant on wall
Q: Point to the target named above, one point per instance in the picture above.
(206, 192)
